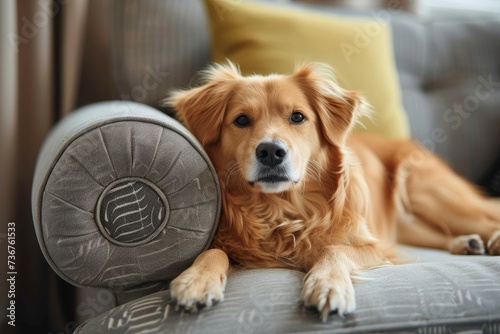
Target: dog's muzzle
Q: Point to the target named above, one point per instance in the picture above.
(273, 168)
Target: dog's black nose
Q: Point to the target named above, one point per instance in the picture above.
(271, 153)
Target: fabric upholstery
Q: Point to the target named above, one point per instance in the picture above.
(157, 46)
(265, 39)
(440, 293)
(124, 198)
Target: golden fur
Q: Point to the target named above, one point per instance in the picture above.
(335, 204)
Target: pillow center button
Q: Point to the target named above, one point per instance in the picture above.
(131, 211)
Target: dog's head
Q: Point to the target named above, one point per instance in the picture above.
(272, 131)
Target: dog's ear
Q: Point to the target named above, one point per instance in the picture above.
(338, 109)
(202, 109)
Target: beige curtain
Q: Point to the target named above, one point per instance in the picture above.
(41, 45)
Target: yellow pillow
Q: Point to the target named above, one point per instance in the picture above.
(266, 39)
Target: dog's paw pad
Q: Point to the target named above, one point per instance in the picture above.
(474, 244)
(327, 295)
(494, 244)
(467, 245)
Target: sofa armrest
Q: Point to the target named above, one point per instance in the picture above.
(123, 198)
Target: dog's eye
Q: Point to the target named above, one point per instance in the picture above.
(297, 118)
(242, 121)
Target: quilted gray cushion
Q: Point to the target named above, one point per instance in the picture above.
(440, 293)
(450, 80)
(124, 198)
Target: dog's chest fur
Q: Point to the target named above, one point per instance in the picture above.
(275, 230)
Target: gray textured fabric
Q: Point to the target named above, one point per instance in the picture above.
(157, 46)
(440, 293)
(98, 150)
(450, 80)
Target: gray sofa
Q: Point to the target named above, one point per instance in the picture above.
(133, 148)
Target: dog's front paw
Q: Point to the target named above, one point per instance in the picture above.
(328, 293)
(196, 289)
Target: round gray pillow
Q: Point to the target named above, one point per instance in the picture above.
(123, 197)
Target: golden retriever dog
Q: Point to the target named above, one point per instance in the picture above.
(301, 192)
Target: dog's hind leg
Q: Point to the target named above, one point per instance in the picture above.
(416, 232)
(448, 205)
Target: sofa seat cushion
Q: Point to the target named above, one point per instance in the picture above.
(439, 293)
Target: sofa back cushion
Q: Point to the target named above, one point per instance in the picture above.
(450, 78)
(156, 46)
